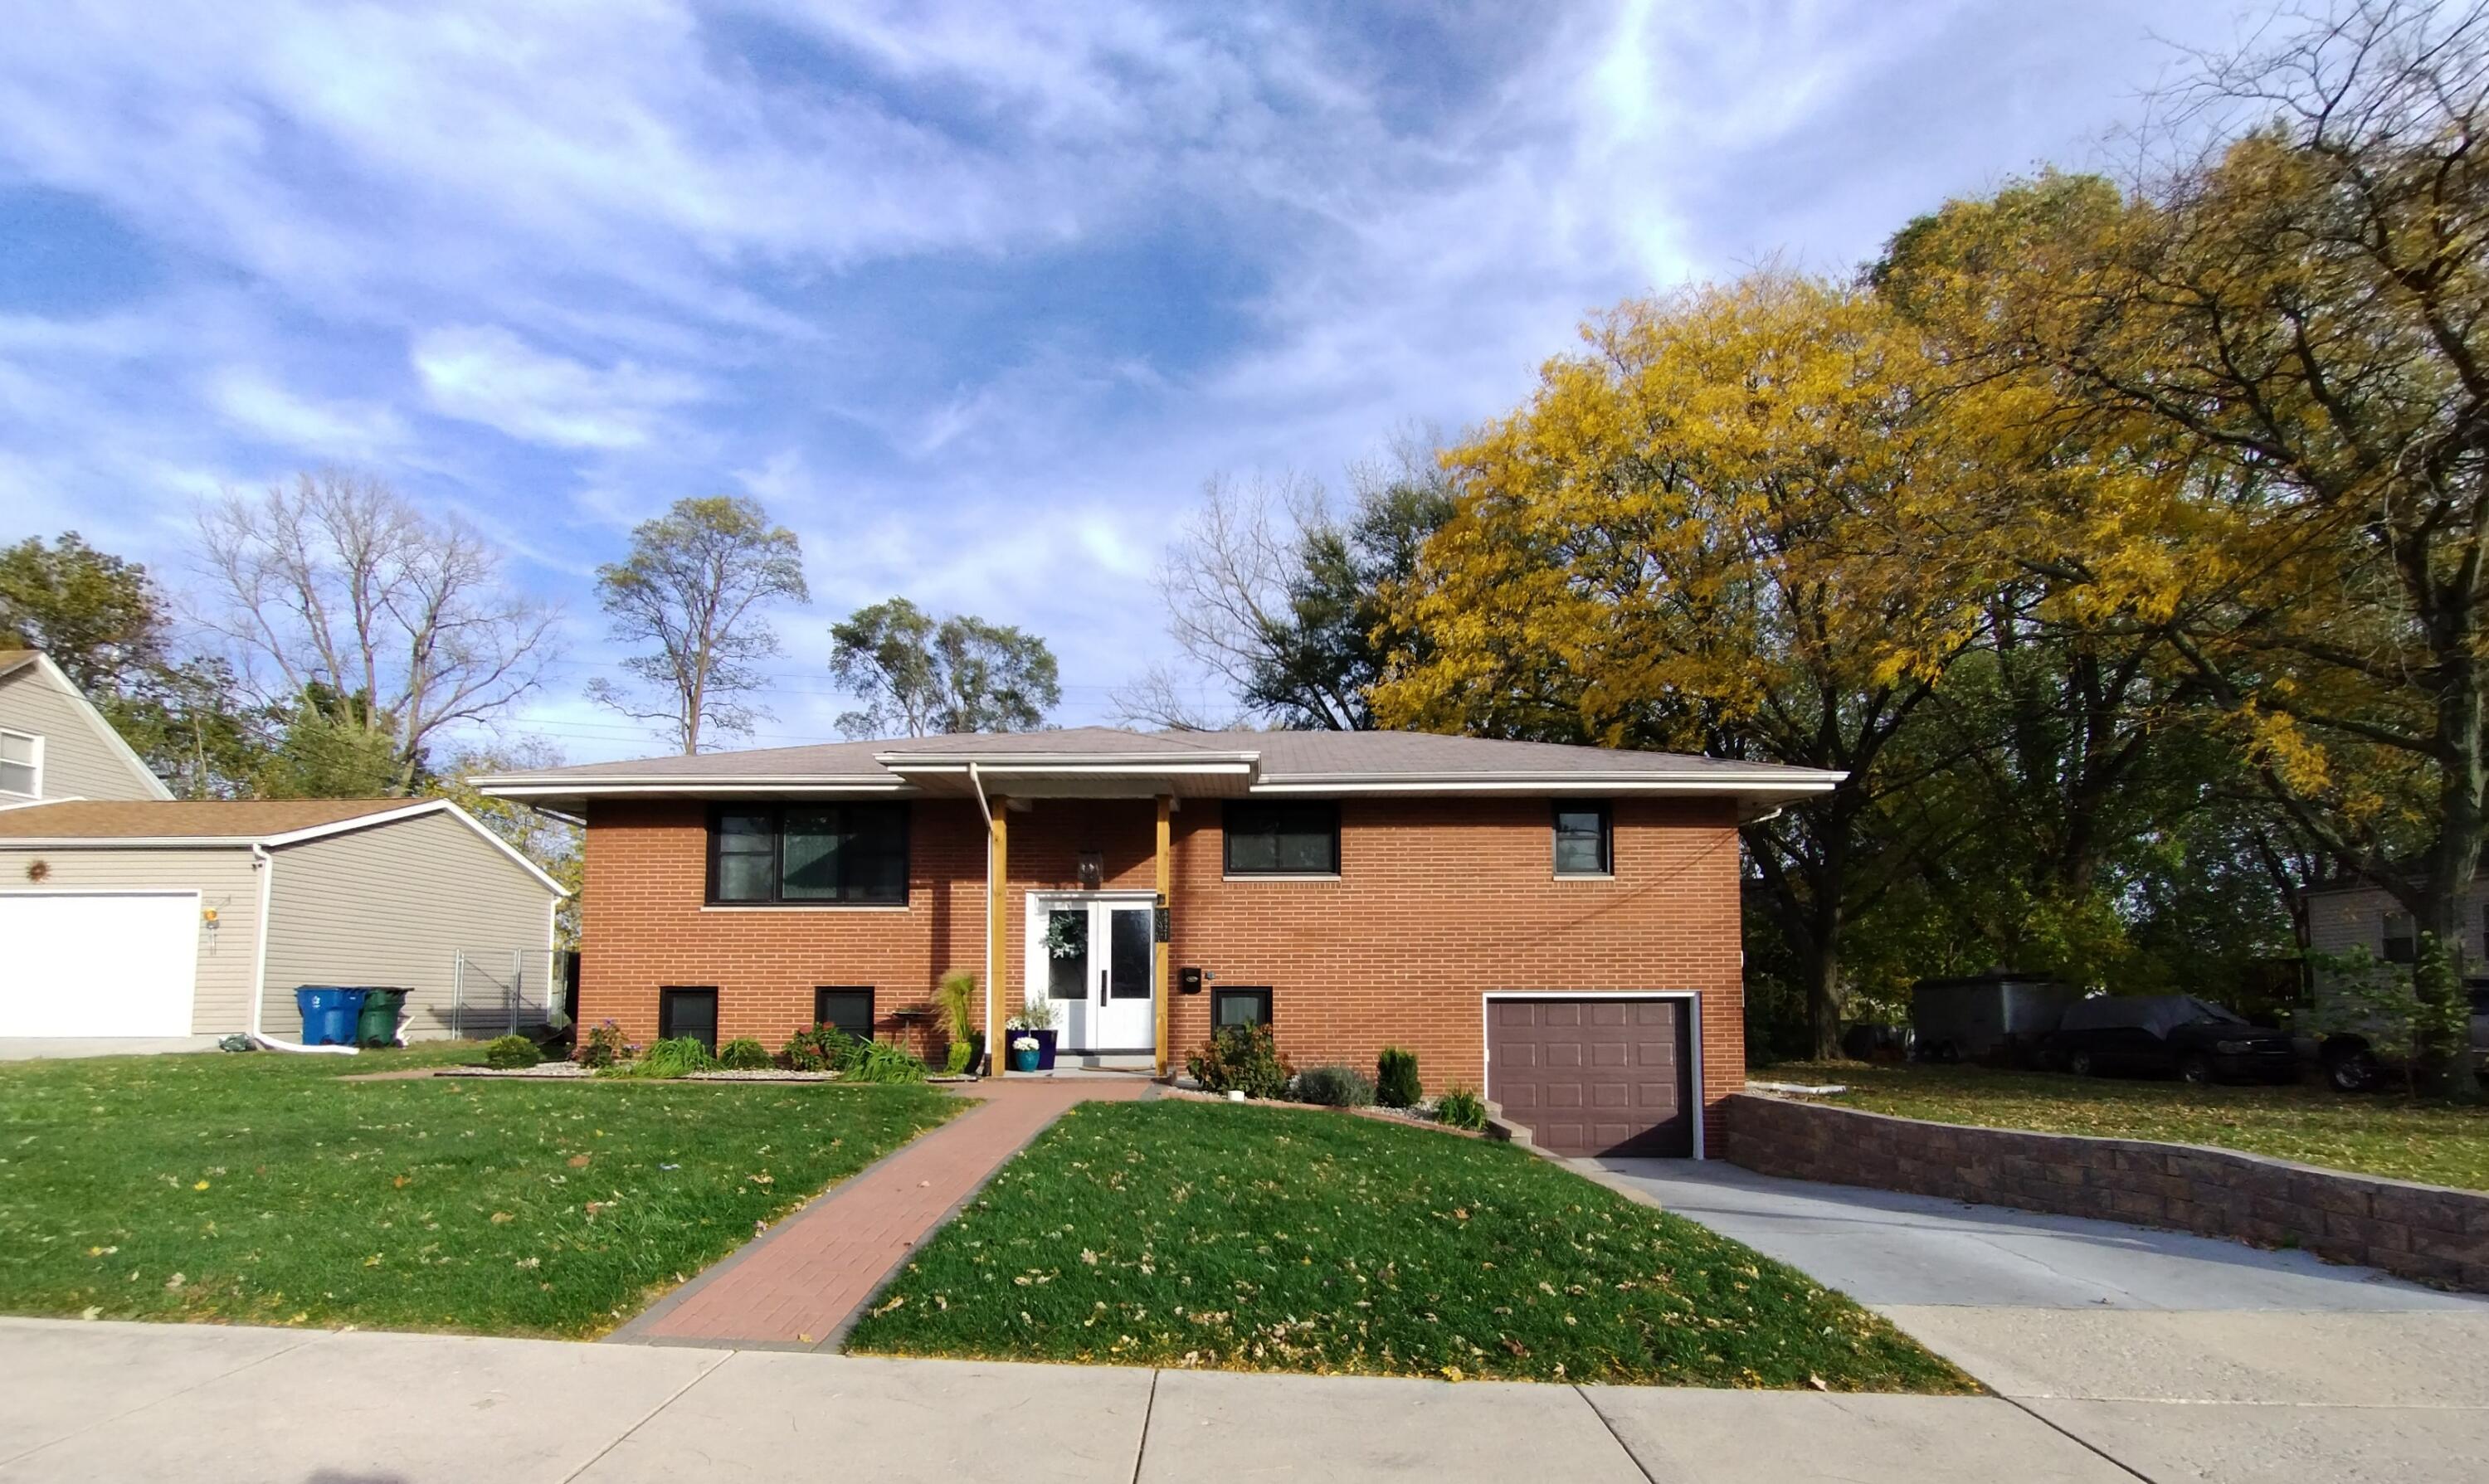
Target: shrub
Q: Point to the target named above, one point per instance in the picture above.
(955, 1061)
(601, 1046)
(743, 1054)
(1395, 1078)
(1461, 1108)
(817, 1049)
(1335, 1087)
(666, 1059)
(876, 1060)
(1035, 1016)
(1242, 1059)
(511, 1053)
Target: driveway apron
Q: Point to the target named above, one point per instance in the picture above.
(2179, 1357)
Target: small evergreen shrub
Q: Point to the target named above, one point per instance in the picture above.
(743, 1054)
(1395, 1078)
(955, 1061)
(601, 1046)
(1335, 1087)
(1461, 1108)
(1242, 1059)
(878, 1061)
(511, 1053)
(817, 1049)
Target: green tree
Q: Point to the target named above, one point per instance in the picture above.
(2299, 315)
(694, 587)
(919, 675)
(100, 619)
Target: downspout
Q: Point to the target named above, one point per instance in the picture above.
(265, 866)
(977, 782)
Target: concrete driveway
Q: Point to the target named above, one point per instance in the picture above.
(2178, 1356)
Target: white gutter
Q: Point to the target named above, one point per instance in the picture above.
(265, 865)
(976, 782)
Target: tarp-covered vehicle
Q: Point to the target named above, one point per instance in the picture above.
(2162, 1035)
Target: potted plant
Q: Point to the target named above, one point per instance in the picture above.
(1023, 1052)
(1037, 1018)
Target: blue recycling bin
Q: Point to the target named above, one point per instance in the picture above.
(329, 1014)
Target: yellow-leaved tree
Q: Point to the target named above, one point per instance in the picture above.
(1699, 535)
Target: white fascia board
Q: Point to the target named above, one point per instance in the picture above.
(1744, 784)
(521, 787)
(1155, 763)
(1076, 767)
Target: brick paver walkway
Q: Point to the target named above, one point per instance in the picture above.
(799, 1284)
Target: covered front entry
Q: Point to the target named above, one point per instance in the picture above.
(1091, 957)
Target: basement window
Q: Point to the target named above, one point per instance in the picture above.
(688, 1011)
(846, 1007)
(1238, 1005)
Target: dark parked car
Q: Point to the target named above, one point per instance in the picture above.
(2165, 1033)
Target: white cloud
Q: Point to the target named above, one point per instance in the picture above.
(486, 373)
(312, 429)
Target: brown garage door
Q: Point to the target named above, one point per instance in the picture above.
(1593, 1074)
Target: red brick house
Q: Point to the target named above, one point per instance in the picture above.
(1556, 925)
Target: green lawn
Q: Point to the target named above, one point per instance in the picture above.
(2377, 1134)
(262, 1189)
(1254, 1238)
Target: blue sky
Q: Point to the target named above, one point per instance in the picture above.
(973, 297)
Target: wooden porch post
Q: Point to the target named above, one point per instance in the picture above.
(1163, 950)
(997, 931)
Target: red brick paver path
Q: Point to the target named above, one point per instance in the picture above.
(802, 1282)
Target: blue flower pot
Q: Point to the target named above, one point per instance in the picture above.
(1023, 1059)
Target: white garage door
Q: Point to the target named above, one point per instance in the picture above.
(97, 964)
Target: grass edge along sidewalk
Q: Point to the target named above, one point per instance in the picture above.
(1186, 1234)
(263, 1189)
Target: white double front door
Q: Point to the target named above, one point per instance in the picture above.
(1091, 956)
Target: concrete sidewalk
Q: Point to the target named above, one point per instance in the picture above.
(204, 1404)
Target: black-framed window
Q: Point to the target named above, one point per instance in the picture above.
(684, 1011)
(1238, 1005)
(1273, 838)
(800, 854)
(1585, 839)
(848, 1006)
(2401, 938)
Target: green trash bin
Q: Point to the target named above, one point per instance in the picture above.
(378, 1024)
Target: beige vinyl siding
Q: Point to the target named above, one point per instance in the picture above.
(226, 884)
(392, 903)
(79, 759)
(2340, 921)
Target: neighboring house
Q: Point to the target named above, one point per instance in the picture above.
(55, 745)
(168, 919)
(1556, 924)
(2354, 914)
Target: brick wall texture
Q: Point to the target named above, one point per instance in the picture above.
(1436, 903)
(2425, 1232)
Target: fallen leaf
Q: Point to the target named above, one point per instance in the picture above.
(201, 1185)
(579, 1162)
(502, 1218)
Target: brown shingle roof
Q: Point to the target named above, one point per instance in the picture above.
(1327, 756)
(183, 819)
